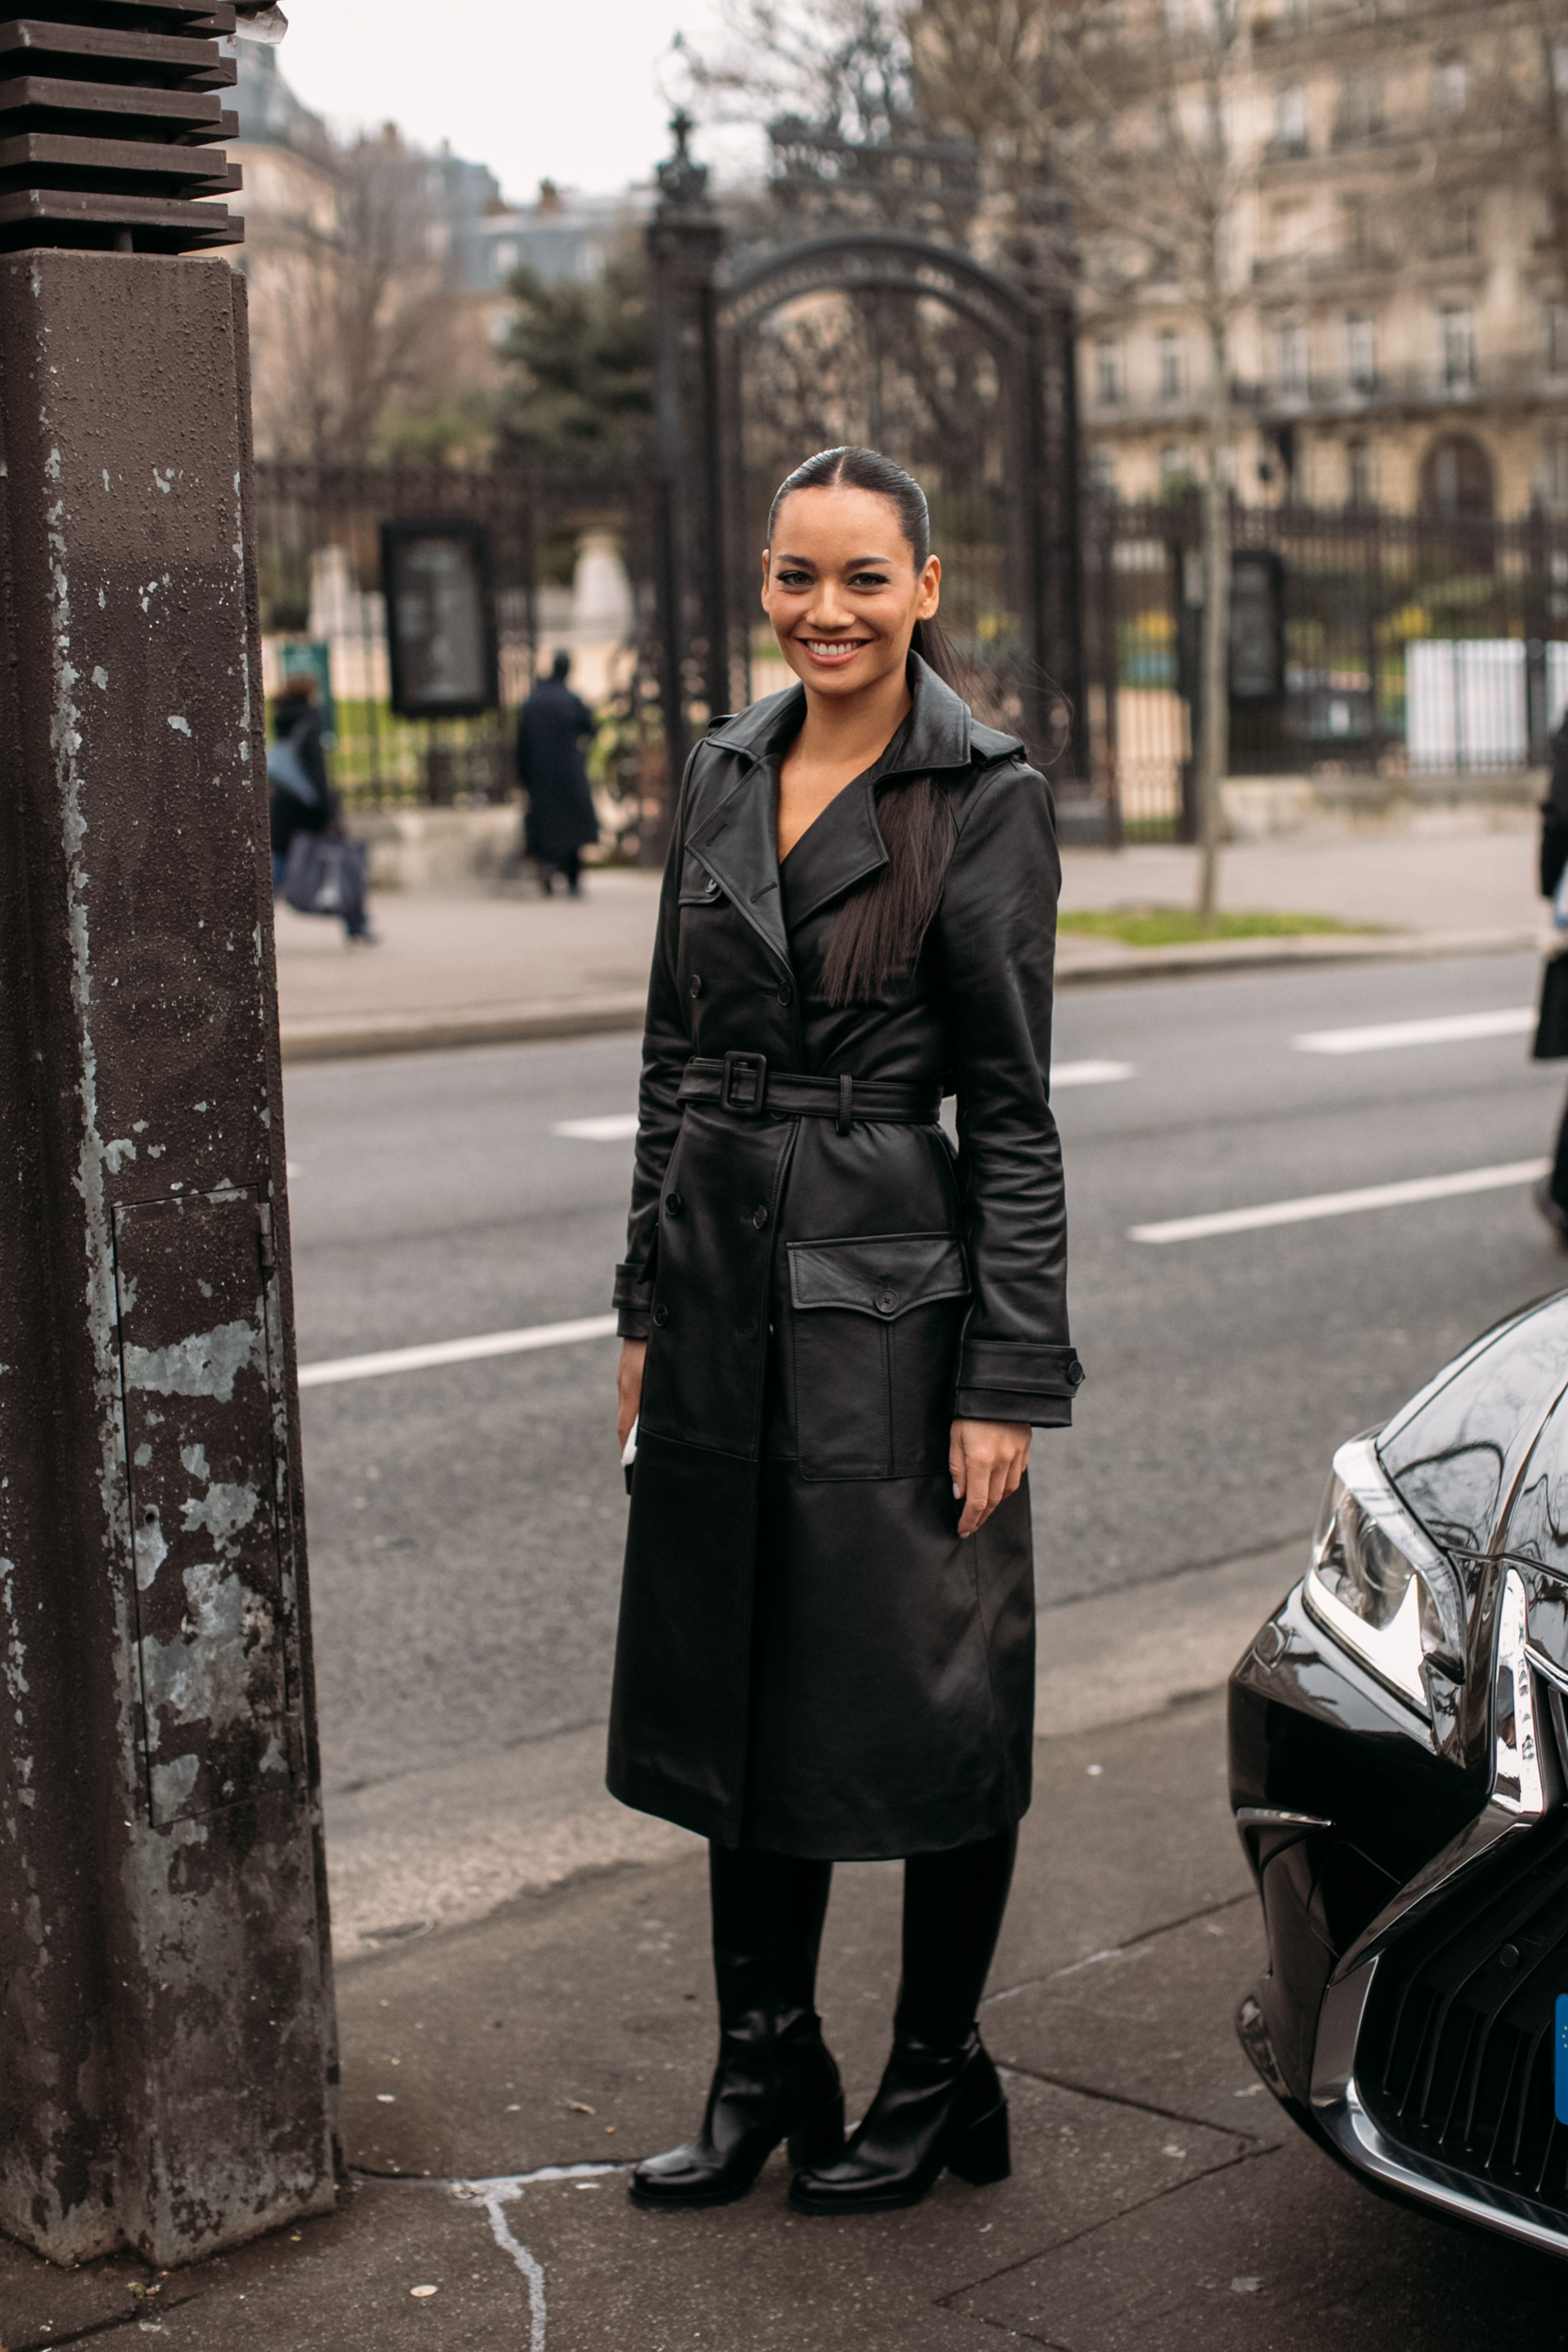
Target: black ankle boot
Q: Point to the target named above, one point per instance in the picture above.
(937, 2110)
(775, 2079)
(941, 2106)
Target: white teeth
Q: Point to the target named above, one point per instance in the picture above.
(832, 648)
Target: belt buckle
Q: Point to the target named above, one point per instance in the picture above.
(744, 1066)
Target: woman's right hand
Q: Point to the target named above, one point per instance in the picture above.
(628, 1388)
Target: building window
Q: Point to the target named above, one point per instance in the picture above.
(1360, 475)
(1170, 364)
(1354, 239)
(1456, 329)
(1108, 379)
(1360, 112)
(1456, 236)
(1103, 473)
(1554, 474)
(1456, 479)
(1451, 87)
(1175, 472)
(1557, 338)
(1290, 120)
(1360, 353)
(1293, 361)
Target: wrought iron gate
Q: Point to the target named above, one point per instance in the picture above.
(1015, 591)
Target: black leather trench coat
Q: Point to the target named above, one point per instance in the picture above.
(809, 1659)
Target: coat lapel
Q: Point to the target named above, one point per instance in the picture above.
(739, 844)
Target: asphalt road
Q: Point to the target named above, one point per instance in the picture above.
(465, 1521)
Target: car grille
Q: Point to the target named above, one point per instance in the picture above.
(1456, 2053)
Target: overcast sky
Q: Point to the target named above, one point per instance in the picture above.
(566, 90)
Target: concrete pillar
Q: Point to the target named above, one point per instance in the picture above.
(166, 2054)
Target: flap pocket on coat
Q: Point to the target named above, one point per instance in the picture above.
(881, 1274)
(874, 1380)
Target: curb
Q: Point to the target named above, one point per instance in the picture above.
(598, 1016)
(428, 1033)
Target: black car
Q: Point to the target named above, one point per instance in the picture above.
(1399, 1760)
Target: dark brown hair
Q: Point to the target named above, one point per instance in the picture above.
(881, 926)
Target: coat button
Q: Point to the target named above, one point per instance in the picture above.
(673, 1205)
(786, 994)
(696, 984)
(886, 1301)
(711, 887)
(661, 1316)
(759, 1217)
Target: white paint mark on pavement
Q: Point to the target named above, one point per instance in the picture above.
(1317, 1204)
(495, 2205)
(1378, 1036)
(1089, 1074)
(454, 1351)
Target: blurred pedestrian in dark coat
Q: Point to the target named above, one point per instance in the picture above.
(551, 731)
(1551, 1035)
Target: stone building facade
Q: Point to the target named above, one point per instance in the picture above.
(1398, 253)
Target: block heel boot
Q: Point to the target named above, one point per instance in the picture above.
(775, 2079)
(941, 2106)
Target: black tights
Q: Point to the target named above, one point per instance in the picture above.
(768, 1912)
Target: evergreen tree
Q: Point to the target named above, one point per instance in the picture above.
(582, 360)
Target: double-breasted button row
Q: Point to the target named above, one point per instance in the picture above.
(759, 1215)
(695, 984)
(673, 1205)
(661, 1315)
(786, 994)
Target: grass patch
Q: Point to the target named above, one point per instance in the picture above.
(1174, 927)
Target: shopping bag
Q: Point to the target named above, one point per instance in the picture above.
(326, 876)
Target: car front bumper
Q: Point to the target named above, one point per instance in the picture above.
(1417, 1932)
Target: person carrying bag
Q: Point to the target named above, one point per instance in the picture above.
(313, 868)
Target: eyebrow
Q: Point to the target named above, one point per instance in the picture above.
(781, 555)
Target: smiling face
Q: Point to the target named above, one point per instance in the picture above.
(840, 586)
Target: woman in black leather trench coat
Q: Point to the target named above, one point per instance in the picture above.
(838, 1334)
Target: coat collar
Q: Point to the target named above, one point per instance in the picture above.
(738, 842)
(936, 735)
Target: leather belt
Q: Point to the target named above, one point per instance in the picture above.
(742, 1082)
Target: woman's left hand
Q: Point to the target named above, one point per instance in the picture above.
(986, 1459)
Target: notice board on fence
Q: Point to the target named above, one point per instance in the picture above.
(440, 619)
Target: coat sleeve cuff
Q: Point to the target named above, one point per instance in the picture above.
(633, 1302)
(1016, 1380)
(1042, 1412)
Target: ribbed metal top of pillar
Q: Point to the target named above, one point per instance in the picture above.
(108, 112)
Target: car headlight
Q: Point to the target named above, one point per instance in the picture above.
(1379, 1584)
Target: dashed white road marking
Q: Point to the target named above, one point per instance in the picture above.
(1089, 1074)
(454, 1351)
(611, 1130)
(1303, 1211)
(1451, 1029)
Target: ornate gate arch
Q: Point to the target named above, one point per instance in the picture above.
(706, 307)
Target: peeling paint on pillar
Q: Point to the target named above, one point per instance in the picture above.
(166, 2054)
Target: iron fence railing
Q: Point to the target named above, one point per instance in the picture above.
(1411, 644)
(319, 565)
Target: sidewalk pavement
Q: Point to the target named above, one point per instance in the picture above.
(491, 969)
(499, 2077)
